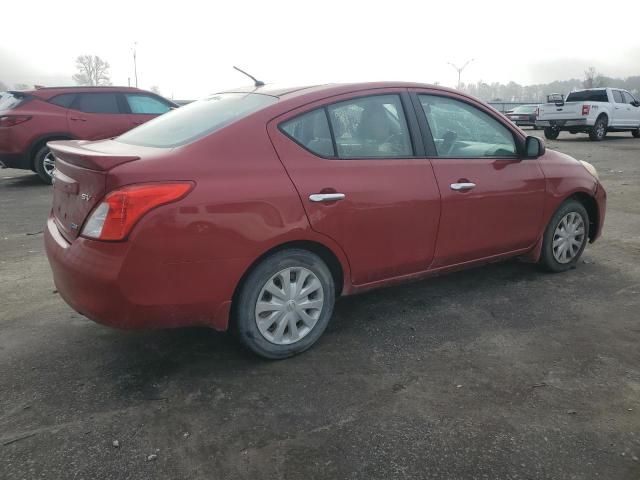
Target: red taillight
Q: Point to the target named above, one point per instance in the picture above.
(11, 120)
(586, 109)
(116, 215)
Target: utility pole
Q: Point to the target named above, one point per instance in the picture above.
(460, 69)
(135, 64)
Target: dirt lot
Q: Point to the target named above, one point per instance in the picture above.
(501, 372)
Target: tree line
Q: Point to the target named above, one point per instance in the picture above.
(514, 92)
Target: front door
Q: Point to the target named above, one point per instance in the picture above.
(362, 183)
(492, 200)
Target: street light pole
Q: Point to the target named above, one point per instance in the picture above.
(460, 69)
(135, 63)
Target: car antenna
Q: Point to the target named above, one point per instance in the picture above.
(256, 82)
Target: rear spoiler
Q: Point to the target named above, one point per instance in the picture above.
(74, 152)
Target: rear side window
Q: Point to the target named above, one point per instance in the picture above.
(588, 96)
(10, 101)
(65, 100)
(98, 103)
(194, 121)
(617, 96)
(370, 127)
(311, 130)
(146, 105)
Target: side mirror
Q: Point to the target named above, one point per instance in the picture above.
(635, 103)
(534, 147)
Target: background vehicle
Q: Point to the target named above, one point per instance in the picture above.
(595, 111)
(523, 116)
(342, 188)
(30, 119)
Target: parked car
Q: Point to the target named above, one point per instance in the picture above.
(30, 119)
(595, 111)
(523, 116)
(253, 210)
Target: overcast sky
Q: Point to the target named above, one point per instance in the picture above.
(187, 47)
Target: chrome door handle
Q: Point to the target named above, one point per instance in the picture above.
(326, 197)
(461, 187)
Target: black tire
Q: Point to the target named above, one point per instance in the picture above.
(39, 165)
(636, 133)
(551, 133)
(547, 258)
(599, 129)
(244, 309)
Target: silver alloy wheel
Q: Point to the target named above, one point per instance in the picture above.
(49, 164)
(600, 129)
(568, 237)
(289, 305)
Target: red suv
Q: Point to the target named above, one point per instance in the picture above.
(254, 210)
(29, 119)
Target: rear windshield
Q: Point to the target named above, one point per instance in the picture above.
(194, 121)
(588, 96)
(10, 100)
(525, 109)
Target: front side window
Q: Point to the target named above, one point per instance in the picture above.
(98, 103)
(145, 104)
(194, 121)
(617, 96)
(370, 127)
(311, 130)
(463, 131)
(628, 98)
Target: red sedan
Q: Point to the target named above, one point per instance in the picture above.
(253, 210)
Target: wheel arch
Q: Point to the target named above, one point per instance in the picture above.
(591, 206)
(41, 141)
(325, 253)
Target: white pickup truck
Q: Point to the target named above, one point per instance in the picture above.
(595, 111)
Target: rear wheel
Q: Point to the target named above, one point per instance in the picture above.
(565, 237)
(44, 164)
(551, 133)
(636, 133)
(285, 304)
(599, 129)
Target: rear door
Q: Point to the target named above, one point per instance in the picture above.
(619, 111)
(363, 181)
(143, 107)
(492, 200)
(94, 116)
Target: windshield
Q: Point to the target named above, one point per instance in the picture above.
(194, 121)
(588, 96)
(525, 109)
(9, 100)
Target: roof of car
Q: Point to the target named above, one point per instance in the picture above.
(48, 92)
(328, 89)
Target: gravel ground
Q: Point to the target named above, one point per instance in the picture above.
(500, 372)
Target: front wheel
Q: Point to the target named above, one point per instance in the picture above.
(565, 237)
(44, 164)
(599, 129)
(551, 133)
(285, 304)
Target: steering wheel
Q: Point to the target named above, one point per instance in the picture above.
(448, 140)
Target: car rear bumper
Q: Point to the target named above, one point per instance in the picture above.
(574, 122)
(14, 160)
(114, 284)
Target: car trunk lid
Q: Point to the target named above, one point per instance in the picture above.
(79, 181)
